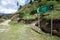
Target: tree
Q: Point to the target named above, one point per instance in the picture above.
(19, 7)
(31, 1)
(17, 3)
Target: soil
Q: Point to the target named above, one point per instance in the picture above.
(28, 21)
(5, 23)
(46, 27)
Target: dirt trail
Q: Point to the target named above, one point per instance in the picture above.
(5, 23)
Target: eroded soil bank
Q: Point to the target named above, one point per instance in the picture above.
(46, 26)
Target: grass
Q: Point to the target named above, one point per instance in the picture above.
(56, 15)
(29, 17)
(24, 32)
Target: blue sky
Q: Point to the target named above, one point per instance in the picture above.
(10, 6)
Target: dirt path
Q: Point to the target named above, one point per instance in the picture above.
(5, 23)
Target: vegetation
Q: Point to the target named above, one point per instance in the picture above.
(28, 11)
(24, 32)
(20, 31)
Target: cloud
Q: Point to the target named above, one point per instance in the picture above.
(10, 6)
(4, 2)
(6, 11)
(8, 2)
(23, 2)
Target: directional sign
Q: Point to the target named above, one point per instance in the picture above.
(45, 8)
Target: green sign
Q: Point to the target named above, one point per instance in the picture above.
(44, 9)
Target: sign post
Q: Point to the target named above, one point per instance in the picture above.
(51, 8)
(51, 22)
(42, 10)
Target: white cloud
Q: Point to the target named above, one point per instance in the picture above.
(6, 11)
(21, 2)
(4, 3)
(8, 2)
(10, 6)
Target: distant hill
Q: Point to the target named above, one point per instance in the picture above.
(3, 15)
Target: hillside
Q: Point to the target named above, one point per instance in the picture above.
(29, 11)
(24, 23)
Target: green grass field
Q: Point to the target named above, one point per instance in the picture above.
(24, 32)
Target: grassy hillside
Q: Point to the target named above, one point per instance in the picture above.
(29, 11)
(24, 32)
(20, 31)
